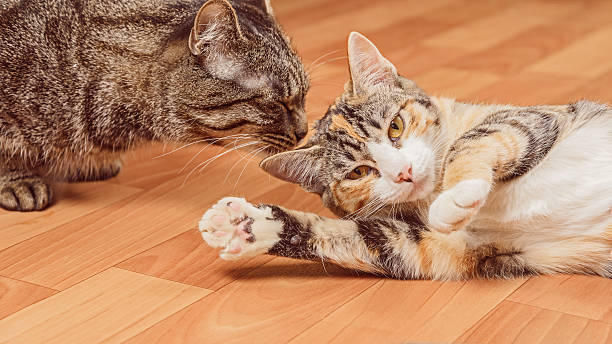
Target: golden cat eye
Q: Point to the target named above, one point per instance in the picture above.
(396, 129)
(359, 172)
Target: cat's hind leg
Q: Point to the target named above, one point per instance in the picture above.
(491, 263)
(24, 191)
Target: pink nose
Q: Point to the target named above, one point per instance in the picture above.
(405, 175)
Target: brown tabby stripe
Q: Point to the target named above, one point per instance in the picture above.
(538, 129)
(491, 262)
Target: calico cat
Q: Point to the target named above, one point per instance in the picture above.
(434, 188)
(83, 81)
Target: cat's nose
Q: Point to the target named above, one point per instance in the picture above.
(405, 175)
(301, 131)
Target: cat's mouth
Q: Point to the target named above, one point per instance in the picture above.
(420, 188)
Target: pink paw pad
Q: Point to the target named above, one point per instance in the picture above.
(234, 206)
(218, 219)
(220, 234)
(243, 235)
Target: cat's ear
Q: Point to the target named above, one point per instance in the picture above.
(369, 69)
(300, 166)
(265, 5)
(215, 23)
(269, 9)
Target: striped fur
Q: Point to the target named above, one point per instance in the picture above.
(85, 80)
(496, 191)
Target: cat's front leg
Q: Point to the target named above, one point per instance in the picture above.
(506, 145)
(240, 228)
(374, 245)
(455, 208)
(24, 191)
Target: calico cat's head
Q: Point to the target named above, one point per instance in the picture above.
(375, 146)
(255, 82)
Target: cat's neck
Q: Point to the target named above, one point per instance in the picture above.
(160, 98)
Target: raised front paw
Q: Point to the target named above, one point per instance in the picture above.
(240, 228)
(455, 208)
(24, 193)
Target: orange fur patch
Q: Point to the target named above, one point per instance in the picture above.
(426, 261)
(417, 121)
(484, 156)
(467, 167)
(440, 251)
(353, 195)
(340, 123)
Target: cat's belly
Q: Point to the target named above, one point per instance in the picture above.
(571, 190)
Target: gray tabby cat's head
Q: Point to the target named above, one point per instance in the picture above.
(255, 81)
(377, 144)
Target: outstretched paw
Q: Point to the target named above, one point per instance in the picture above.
(24, 193)
(455, 208)
(240, 228)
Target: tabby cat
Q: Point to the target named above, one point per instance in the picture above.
(82, 81)
(434, 188)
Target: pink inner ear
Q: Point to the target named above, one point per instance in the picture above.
(368, 67)
(208, 13)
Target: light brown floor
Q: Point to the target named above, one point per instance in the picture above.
(122, 260)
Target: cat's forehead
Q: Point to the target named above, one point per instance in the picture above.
(360, 118)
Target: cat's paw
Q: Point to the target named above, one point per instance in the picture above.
(240, 228)
(24, 193)
(454, 208)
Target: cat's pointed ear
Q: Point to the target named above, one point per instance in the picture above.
(265, 5)
(269, 8)
(369, 69)
(215, 22)
(300, 166)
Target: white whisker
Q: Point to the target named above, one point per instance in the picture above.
(210, 160)
(195, 142)
(310, 69)
(247, 164)
(234, 141)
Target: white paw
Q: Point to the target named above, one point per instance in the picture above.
(454, 208)
(240, 228)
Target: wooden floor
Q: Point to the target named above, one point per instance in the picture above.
(122, 260)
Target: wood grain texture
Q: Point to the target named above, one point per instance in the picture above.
(75, 200)
(573, 60)
(15, 295)
(109, 307)
(129, 263)
(476, 35)
(413, 312)
(517, 323)
(584, 296)
(70, 253)
(271, 304)
(187, 259)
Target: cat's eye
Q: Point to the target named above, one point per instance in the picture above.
(359, 172)
(396, 128)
